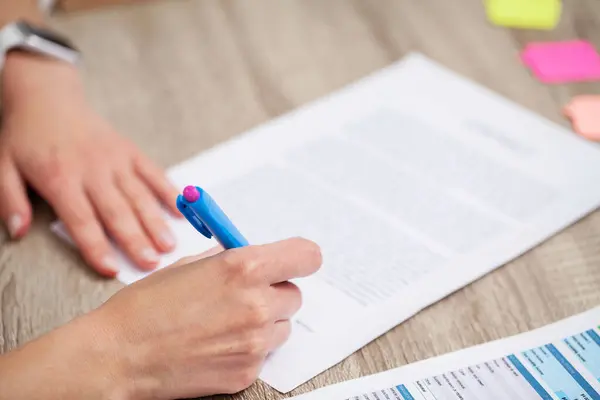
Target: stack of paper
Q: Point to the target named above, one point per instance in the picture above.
(414, 182)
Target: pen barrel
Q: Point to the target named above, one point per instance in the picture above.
(219, 224)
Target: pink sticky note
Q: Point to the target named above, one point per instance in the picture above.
(584, 112)
(560, 62)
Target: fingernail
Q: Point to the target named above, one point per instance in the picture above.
(14, 225)
(149, 255)
(110, 263)
(167, 238)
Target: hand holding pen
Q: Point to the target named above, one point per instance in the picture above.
(201, 327)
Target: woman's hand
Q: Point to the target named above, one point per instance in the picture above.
(98, 183)
(191, 330)
(207, 326)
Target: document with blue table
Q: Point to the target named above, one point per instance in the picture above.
(414, 182)
(560, 361)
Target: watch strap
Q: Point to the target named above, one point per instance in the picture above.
(26, 37)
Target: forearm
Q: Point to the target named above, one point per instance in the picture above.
(69, 363)
(13, 10)
(25, 68)
(18, 10)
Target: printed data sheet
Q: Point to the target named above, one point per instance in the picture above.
(557, 362)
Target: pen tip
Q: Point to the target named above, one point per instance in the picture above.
(191, 193)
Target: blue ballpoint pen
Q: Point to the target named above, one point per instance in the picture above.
(207, 217)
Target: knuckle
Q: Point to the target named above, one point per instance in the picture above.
(94, 248)
(152, 216)
(129, 235)
(134, 243)
(52, 173)
(89, 234)
(114, 216)
(258, 313)
(230, 260)
(248, 267)
(145, 204)
(243, 263)
(83, 224)
(54, 184)
(49, 166)
(80, 223)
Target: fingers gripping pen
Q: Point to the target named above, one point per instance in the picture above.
(208, 218)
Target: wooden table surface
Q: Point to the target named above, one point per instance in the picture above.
(181, 76)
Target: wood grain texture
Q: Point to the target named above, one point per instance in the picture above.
(200, 72)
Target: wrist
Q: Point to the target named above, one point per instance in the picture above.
(131, 357)
(27, 74)
(79, 360)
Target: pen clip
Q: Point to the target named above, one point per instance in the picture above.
(198, 224)
(200, 227)
(188, 212)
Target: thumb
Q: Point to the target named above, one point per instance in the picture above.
(15, 209)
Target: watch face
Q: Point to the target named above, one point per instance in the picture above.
(29, 30)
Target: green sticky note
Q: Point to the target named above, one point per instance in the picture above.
(526, 14)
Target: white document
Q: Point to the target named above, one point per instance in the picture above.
(557, 362)
(413, 181)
